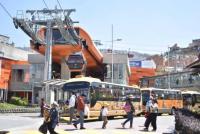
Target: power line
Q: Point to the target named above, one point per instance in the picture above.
(6, 10)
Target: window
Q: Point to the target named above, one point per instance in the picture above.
(198, 98)
(18, 75)
(121, 71)
(159, 94)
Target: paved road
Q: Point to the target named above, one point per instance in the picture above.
(29, 123)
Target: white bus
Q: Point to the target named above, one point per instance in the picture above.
(98, 92)
(191, 100)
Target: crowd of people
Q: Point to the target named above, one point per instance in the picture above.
(78, 103)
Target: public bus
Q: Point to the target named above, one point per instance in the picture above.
(168, 99)
(98, 92)
(191, 100)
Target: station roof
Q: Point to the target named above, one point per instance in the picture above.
(56, 82)
(195, 64)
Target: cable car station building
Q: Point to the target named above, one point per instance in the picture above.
(51, 90)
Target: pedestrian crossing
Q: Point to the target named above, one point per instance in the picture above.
(90, 131)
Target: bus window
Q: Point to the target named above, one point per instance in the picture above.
(105, 94)
(179, 96)
(172, 95)
(198, 98)
(159, 94)
(93, 96)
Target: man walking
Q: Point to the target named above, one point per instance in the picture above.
(72, 102)
(80, 109)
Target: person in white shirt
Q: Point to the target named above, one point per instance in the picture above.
(72, 102)
(153, 116)
(104, 111)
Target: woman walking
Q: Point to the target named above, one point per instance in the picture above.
(128, 107)
(44, 127)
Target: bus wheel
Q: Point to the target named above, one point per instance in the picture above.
(159, 114)
(111, 117)
(173, 111)
(100, 118)
(125, 116)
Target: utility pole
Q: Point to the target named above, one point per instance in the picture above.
(112, 56)
(48, 52)
(168, 70)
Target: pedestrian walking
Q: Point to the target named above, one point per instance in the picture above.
(104, 111)
(72, 103)
(129, 108)
(44, 127)
(54, 118)
(148, 107)
(42, 107)
(152, 116)
(80, 109)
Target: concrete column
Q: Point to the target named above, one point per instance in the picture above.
(1, 94)
(65, 72)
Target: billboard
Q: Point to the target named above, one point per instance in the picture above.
(135, 63)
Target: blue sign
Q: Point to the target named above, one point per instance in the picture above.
(135, 63)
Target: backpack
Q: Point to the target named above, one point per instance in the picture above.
(80, 103)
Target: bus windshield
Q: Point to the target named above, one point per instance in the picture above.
(135, 93)
(198, 98)
(77, 87)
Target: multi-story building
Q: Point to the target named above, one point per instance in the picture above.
(140, 69)
(14, 70)
(36, 62)
(121, 68)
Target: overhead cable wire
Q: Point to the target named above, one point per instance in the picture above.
(6, 10)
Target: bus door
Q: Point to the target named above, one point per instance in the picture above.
(145, 98)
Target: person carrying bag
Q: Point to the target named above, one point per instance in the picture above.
(128, 107)
(46, 114)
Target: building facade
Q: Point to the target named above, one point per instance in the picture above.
(14, 70)
(121, 68)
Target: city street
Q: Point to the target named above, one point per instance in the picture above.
(29, 124)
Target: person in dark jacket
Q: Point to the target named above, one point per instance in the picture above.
(54, 118)
(42, 107)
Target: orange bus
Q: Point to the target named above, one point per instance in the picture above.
(168, 99)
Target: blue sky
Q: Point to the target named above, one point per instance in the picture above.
(148, 26)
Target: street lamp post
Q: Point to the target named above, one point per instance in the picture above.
(112, 55)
